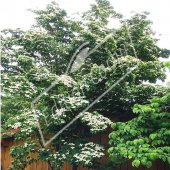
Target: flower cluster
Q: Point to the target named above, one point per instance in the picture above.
(59, 116)
(44, 74)
(84, 153)
(67, 80)
(88, 153)
(20, 86)
(27, 121)
(69, 103)
(96, 121)
(75, 101)
(15, 125)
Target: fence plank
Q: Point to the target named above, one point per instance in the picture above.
(33, 165)
(11, 143)
(44, 165)
(3, 151)
(7, 157)
(39, 165)
(64, 166)
(69, 167)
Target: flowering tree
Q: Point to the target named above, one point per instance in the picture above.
(33, 60)
(71, 146)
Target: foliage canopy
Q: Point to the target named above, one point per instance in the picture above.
(146, 137)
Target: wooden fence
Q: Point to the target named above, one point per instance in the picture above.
(6, 160)
(8, 143)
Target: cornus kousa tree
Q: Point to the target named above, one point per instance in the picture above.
(71, 146)
(81, 60)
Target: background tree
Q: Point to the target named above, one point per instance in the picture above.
(34, 59)
(167, 65)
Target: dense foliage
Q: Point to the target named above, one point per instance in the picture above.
(145, 138)
(32, 60)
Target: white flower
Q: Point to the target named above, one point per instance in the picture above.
(17, 117)
(78, 94)
(25, 145)
(42, 149)
(96, 121)
(16, 125)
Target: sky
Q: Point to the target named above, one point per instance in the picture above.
(14, 14)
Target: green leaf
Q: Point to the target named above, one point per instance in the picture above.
(133, 132)
(111, 141)
(153, 156)
(164, 158)
(149, 164)
(113, 157)
(110, 150)
(135, 106)
(130, 156)
(140, 141)
(144, 161)
(127, 128)
(113, 125)
(135, 141)
(168, 159)
(167, 63)
(136, 163)
(152, 136)
(135, 110)
(113, 135)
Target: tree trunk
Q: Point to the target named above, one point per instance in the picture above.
(75, 167)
